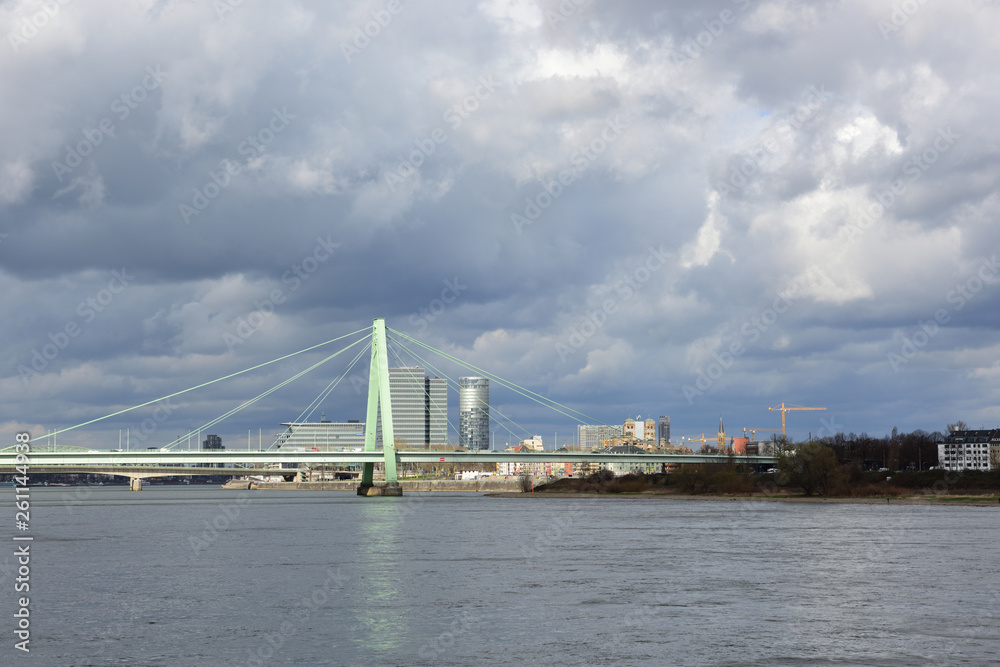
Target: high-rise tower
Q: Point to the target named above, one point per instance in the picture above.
(419, 408)
(474, 413)
(663, 436)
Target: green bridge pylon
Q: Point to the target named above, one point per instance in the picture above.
(378, 396)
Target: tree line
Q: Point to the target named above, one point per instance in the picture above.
(916, 450)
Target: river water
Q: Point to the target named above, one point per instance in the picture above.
(197, 575)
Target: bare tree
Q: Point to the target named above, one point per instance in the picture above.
(957, 426)
(525, 481)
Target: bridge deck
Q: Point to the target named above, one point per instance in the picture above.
(97, 461)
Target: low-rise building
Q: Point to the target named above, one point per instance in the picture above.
(535, 468)
(620, 468)
(323, 436)
(534, 443)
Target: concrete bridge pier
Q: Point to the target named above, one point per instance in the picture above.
(372, 490)
(135, 484)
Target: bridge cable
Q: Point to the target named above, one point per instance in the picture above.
(311, 408)
(265, 394)
(458, 387)
(305, 414)
(204, 384)
(492, 409)
(527, 393)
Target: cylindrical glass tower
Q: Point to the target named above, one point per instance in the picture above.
(474, 413)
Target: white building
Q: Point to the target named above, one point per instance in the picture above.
(970, 450)
(323, 436)
(620, 468)
(534, 468)
(592, 436)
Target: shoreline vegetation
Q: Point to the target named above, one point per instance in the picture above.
(842, 485)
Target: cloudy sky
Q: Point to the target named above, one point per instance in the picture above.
(691, 208)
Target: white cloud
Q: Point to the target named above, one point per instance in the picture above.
(709, 239)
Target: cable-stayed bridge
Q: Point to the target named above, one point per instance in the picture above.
(170, 461)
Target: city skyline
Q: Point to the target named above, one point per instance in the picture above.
(433, 392)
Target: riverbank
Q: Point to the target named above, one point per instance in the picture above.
(409, 486)
(974, 501)
(732, 481)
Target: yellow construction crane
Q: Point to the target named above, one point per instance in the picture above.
(753, 432)
(703, 440)
(785, 409)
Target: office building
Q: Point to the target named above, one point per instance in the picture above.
(213, 443)
(594, 436)
(474, 413)
(419, 408)
(663, 434)
(324, 436)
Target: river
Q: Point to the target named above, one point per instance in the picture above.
(197, 575)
